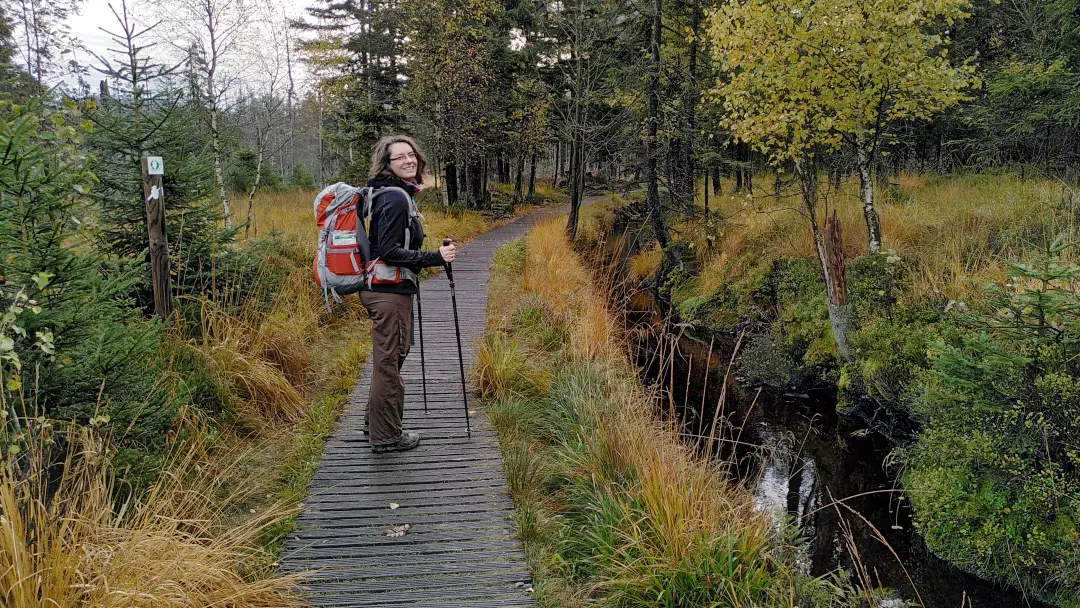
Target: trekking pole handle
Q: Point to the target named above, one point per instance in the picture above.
(449, 270)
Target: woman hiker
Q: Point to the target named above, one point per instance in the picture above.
(396, 162)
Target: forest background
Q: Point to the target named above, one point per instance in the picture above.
(942, 135)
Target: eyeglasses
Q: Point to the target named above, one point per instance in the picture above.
(410, 156)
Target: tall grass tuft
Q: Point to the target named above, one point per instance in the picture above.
(504, 369)
(68, 544)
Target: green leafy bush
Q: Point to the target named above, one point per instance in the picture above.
(103, 362)
(994, 477)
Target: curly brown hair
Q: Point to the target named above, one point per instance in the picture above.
(380, 157)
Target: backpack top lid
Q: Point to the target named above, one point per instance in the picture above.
(332, 199)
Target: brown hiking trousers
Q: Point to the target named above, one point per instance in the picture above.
(391, 315)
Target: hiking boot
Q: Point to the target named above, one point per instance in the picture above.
(407, 441)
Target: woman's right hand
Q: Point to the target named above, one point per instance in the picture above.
(448, 253)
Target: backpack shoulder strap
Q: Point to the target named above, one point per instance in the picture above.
(413, 209)
(363, 215)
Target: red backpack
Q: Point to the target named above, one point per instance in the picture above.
(344, 264)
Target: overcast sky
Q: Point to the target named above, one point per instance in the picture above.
(95, 14)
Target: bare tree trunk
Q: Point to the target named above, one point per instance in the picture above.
(292, 115)
(450, 183)
(748, 170)
(577, 174)
(690, 101)
(941, 154)
(476, 175)
(652, 192)
(482, 196)
(519, 179)
(652, 120)
(532, 175)
(463, 181)
(830, 255)
(250, 221)
(866, 193)
(558, 165)
(839, 310)
(706, 192)
(219, 178)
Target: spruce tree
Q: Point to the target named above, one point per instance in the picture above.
(143, 113)
(101, 356)
(356, 57)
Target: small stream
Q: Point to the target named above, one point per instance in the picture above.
(800, 458)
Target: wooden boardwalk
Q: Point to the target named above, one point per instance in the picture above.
(460, 549)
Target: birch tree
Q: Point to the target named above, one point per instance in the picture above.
(41, 34)
(806, 74)
(213, 31)
(266, 105)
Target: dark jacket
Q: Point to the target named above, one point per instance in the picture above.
(389, 217)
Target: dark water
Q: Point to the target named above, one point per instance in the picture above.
(799, 456)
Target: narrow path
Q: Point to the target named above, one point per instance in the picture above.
(460, 549)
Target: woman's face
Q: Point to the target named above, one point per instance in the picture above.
(403, 161)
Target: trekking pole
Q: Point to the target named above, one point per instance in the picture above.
(457, 330)
(420, 323)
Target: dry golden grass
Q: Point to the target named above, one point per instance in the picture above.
(679, 507)
(645, 263)
(955, 233)
(69, 545)
(681, 491)
(289, 213)
(567, 287)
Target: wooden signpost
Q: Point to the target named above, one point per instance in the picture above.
(153, 170)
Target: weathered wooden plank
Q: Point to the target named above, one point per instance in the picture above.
(344, 519)
(501, 580)
(420, 527)
(304, 552)
(401, 544)
(399, 480)
(361, 499)
(411, 598)
(419, 561)
(409, 511)
(446, 460)
(393, 572)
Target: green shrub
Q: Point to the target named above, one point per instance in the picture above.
(890, 355)
(104, 363)
(241, 174)
(994, 477)
(766, 359)
(300, 177)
